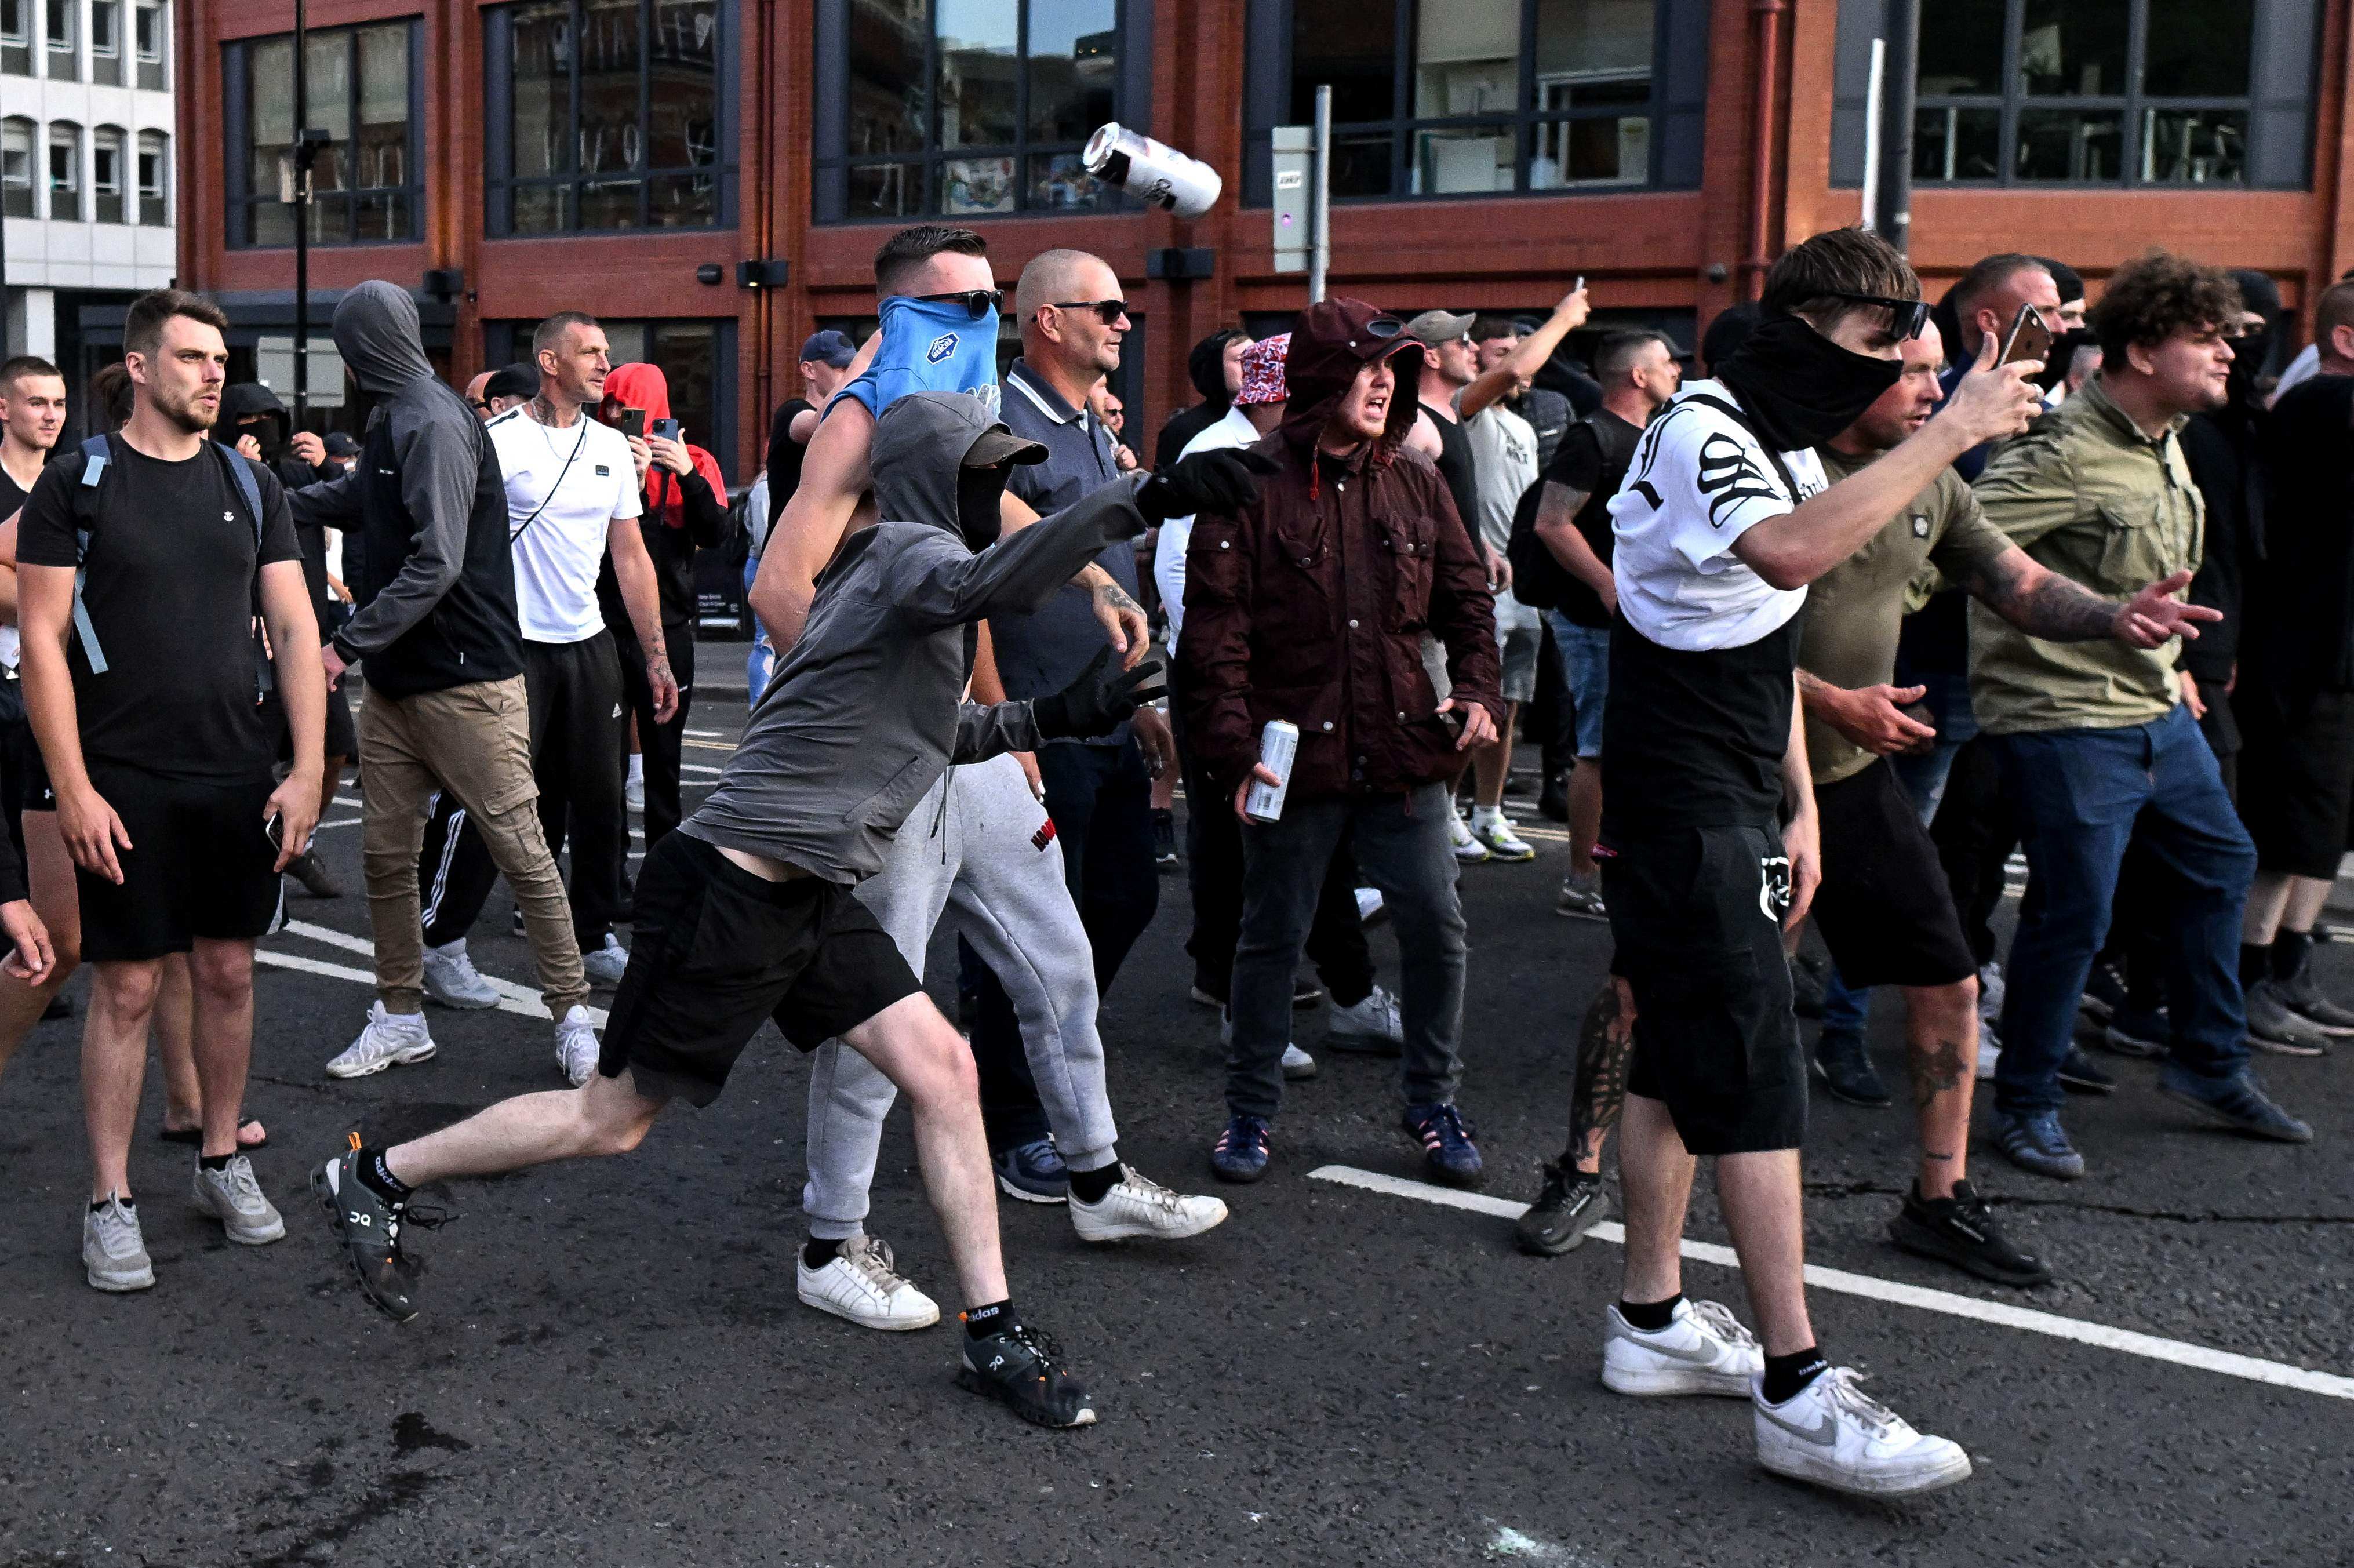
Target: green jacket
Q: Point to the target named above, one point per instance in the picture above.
(2089, 496)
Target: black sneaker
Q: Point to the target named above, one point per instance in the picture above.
(2104, 992)
(1553, 801)
(369, 1229)
(2079, 1074)
(1960, 1230)
(1021, 1368)
(1164, 841)
(2140, 1032)
(1846, 1070)
(1571, 1204)
(1807, 975)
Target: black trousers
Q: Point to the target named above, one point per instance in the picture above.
(1974, 833)
(579, 742)
(1551, 718)
(658, 743)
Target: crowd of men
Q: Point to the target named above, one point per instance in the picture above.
(1730, 607)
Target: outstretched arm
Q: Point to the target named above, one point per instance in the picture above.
(2042, 603)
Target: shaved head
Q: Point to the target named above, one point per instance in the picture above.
(1054, 275)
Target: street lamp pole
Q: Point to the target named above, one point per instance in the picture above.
(302, 158)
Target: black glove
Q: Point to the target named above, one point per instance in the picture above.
(1092, 704)
(1220, 482)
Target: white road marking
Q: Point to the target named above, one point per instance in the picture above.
(2280, 1374)
(698, 768)
(338, 822)
(513, 998)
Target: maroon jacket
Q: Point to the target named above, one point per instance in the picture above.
(1312, 604)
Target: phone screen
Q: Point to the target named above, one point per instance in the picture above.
(666, 429)
(2029, 338)
(633, 421)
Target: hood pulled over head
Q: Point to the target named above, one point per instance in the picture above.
(640, 385)
(939, 458)
(1205, 366)
(243, 402)
(1329, 343)
(377, 334)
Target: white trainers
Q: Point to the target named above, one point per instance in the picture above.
(113, 1253)
(860, 1284)
(390, 1040)
(1138, 1206)
(1989, 1053)
(1298, 1064)
(1494, 829)
(577, 1048)
(606, 965)
(633, 795)
(1991, 993)
(451, 978)
(1372, 1022)
(1371, 907)
(1581, 897)
(1834, 1434)
(232, 1196)
(1703, 1350)
(1467, 849)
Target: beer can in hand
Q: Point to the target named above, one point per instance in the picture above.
(1278, 743)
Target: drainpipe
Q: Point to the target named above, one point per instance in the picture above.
(1765, 63)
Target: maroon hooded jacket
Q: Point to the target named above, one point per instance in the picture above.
(1311, 605)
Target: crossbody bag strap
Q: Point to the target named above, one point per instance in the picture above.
(98, 456)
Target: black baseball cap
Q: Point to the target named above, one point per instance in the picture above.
(829, 347)
(517, 380)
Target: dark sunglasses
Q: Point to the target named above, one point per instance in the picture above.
(1108, 312)
(1906, 317)
(978, 303)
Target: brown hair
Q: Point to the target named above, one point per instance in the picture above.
(22, 365)
(1808, 279)
(550, 333)
(2332, 309)
(142, 324)
(911, 248)
(110, 396)
(2156, 295)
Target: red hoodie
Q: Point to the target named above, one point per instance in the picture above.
(644, 387)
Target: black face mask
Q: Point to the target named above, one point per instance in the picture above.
(2248, 357)
(1798, 387)
(980, 515)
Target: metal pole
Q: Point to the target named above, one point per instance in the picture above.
(301, 214)
(1871, 108)
(1893, 219)
(1321, 255)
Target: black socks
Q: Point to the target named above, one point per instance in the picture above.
(818, 1254)
(1089, 1186)
(377, 1176)
(98, 1203)
(213, 1161)
(980, 1322)
(2290, 949)
(2256, 963)
(1785, 1375)
(1650, 1316)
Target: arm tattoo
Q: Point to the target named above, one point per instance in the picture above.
(1936, 1070)
(2054, 609)
(1604, 1041)
(1111, 593)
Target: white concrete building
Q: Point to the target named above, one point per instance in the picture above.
(85, 196)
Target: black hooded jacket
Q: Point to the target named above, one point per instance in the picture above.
(1206, 368)
(242, 402)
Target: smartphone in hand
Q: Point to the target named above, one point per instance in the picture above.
(634, 423)
(2029, 339)
(666, 429)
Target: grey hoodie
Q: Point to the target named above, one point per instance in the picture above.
(866, 710)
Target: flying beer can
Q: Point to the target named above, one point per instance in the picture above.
(1278, 743)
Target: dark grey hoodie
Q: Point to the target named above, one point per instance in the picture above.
(868, 710)
(436, 582)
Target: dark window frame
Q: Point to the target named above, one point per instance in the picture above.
(115, 139)
(241, 201)
(505, 342)
(153, 67)
(160, 215)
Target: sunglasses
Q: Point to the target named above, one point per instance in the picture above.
(1111, 313)
(1906, 317)
(978, 303)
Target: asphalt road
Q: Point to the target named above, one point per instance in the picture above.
(612, 1368)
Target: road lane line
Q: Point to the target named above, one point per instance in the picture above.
(513, 998)
(2177, 1352)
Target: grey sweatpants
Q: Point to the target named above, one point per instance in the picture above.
(977, 846)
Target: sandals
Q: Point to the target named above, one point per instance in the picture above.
(194, 1136)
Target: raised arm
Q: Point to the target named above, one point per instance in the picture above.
(1524, 362)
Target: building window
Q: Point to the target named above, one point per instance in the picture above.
(16, 167)
(965, 107)
(106, 42)
(64, 66)
(155, 177)
(17, 36)
(368, 183)
(64, 171)
(106, 175)
(148, 24)
(610, 114)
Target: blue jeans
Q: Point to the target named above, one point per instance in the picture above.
(763, 657)
(2080, 796)
(1585, 664)
(1948, 702)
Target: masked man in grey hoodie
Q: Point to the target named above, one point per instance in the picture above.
(446, 707)
(749, 911)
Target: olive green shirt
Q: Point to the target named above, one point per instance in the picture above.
(2089, 496)
(1856, 610)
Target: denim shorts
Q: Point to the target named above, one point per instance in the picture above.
(1586, 659)
(1520, 634)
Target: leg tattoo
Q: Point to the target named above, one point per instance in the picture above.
(1936, 1071)
(1603, 1043)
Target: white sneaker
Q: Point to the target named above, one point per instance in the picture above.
(1298, 1064)
(1703, 1350)
(1990, 992)
(1371, 907)
(1494, 830)
(1581, 897)
(860, 1284)
(113, 1253)
(451, 978)
(606, 965)
(1467, 849)
(577, 1048)
(390, 1040)
(1831, 1433)
(634, 794)
(232, 1196)
(1989, 1053)
(1373, 1020)
(1138, 1206)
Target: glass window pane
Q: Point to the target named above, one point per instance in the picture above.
(538, 209)
(885, 107)
(381, 151)
(331, 219)
(610, 137)
(1962, 51)
(1361, 163)
(272, 224)
(688, 355)
(975, 185)
(376, 215)
(1958, 144)
(329, 107)
(1074, 62)
(2073, 49)
(685, 201)
(1448, 163)
(2199, 49)
(1610, 150)
(885, 190)
(2194, 146)
(270, 76)
(2078, 146)
(1593, 51)
(1352, 47)
(608, 204)
(543, 89)
(979, 45)
(1059, 182)
(1467, 59)
(683, 114)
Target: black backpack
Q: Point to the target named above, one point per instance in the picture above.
(1538, 580)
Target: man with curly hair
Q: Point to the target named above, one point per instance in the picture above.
(2099, 740)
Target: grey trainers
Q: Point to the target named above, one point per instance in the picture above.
(113, 1253)
(2302, 994)
(2271, 1026)
(232, 1196)
(451, 978)
(606, 965)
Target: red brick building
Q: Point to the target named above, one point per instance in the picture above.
(624, 156)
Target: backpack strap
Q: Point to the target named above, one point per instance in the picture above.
(97, 457)
(249, 489)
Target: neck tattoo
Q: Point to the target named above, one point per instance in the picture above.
(547, 411)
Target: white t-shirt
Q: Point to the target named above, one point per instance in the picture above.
(1229, 434)
(1697, 482)
(1504, 466)
(564, 489)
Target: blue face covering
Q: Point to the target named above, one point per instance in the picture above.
(929, 345)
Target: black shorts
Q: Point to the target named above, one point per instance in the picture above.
(1885, 907)
(199, 865)
(32, 774)
(1697, 917)
(714, 949)
(2297, 777)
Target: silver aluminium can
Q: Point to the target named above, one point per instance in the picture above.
(1278, 743)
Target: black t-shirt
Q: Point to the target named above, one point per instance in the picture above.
(2298, 634)
(171, 595)
(1593, 462)
(1455, 467)
(12, 501)
(1695, 739)
(785, 455)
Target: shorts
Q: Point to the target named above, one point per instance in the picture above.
(1519, 636)
(716, 950)
(2297, 777)
(15, 742)
(1697, 917)
(1884, 908)
(199, 865)
(1585, 660)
